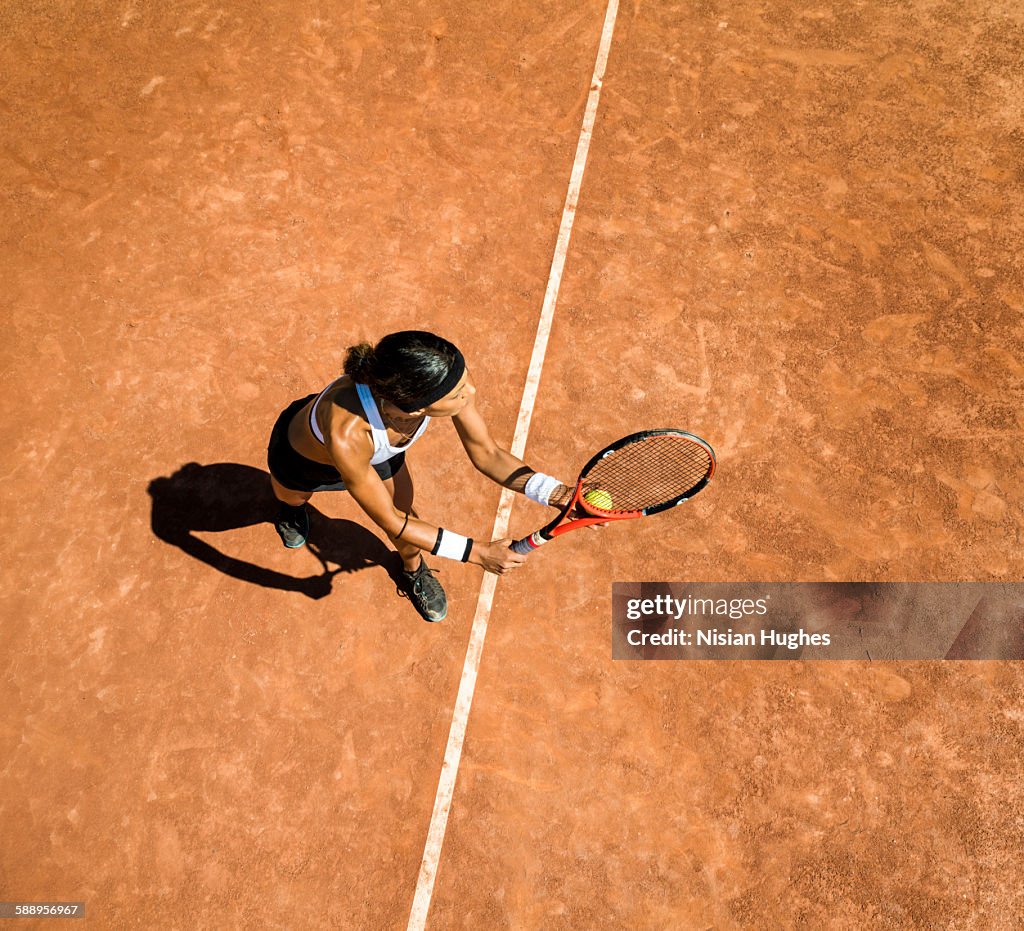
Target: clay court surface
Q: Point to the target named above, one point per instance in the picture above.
(798, 236)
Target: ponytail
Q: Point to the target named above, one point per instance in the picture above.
(359, 363)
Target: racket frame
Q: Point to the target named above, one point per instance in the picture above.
(600, 516)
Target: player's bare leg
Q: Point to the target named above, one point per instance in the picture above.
(401, 488)
(419, 584)
(288, 496)
(292, 521)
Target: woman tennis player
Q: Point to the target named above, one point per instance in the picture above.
(353, 437)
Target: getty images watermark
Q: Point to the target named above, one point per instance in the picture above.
(817, 620)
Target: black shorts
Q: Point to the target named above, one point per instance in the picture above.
(295, 471)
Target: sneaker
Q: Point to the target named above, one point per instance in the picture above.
(292, 525)
(425, 592)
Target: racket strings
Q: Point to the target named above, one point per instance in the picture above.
(650, 472)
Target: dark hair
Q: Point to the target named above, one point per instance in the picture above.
(402, 366)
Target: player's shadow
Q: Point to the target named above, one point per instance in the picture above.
(228, 496)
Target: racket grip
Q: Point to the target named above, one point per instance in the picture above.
(528, 544)
(522, 547)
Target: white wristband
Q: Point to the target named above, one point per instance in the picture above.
(452, 545)
(540, 487)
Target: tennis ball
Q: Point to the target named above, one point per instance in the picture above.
(599, 498)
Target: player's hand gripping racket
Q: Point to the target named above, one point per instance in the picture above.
(637, 476)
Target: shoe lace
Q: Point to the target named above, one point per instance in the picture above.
(423, 575)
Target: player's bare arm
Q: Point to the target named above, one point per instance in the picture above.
(496, 463)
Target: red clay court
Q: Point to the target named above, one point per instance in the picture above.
(797, 234)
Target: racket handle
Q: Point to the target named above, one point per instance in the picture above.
(528, 544)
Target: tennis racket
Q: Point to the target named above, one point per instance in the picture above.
(639, 475)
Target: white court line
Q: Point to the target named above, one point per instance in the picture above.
(460, 718)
